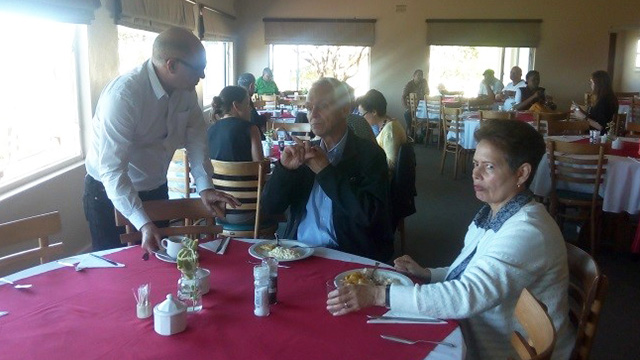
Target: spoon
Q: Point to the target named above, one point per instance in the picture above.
(412, 342)
(279, 265)
(17, 286)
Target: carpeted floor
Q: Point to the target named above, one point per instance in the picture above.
(435, 234)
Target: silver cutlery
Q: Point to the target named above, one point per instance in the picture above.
(305, 247)
(400, 318)
(377, 265)
(105, 259)
(164, 257)
(413, 342)
(222, 241)
(277, 239)
(258, 263)
(17, 286)
(70, 265)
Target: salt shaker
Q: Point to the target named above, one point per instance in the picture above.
(261, 290)
(272, 263)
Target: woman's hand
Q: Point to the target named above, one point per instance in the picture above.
(348, 298)
(407, 265)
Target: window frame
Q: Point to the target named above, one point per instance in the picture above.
(228, 70)
(637, 63)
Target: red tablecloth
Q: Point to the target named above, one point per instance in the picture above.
(91, 315)
(628, 149)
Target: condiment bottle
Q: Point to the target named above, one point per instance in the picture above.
(272, 263)
(261, 290)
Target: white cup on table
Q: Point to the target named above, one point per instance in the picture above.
(172, 245)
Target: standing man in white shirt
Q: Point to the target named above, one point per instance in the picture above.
(142, 117)
(508, 94)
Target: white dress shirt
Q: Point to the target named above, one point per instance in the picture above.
(511, 100)
(137, 127)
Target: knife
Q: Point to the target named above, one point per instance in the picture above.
(413, 342)
(105, 259)
(220, 245)
(224, 246)
(400, 318)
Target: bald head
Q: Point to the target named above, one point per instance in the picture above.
(175, 43)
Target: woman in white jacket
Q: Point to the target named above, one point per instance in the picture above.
(511, 244)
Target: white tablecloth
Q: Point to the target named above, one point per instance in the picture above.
(620, 190)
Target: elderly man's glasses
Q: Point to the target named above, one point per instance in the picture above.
(363, 114)
(197, 69)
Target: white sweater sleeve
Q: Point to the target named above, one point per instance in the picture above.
(504, 264)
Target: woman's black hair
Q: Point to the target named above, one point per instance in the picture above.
(223, 103)
(374, 100)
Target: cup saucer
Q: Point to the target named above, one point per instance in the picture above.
(161, 254)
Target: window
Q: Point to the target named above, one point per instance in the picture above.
(134, 47)
(638, 55)
(219, 70)
(296, 67)
(39, 116)
(460, 68)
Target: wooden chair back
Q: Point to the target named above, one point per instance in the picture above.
(270, 101)
(576, 163)
(541, 334)
(244, 180)
(497, 115)
(178, 179)
(434, 107)
(632, 129)
(302, 130)
(451, 122)
(635, 110)
(191, 210)
(587, 292)
(627, 95)
(567, 127)
(619, 121)
(23, 231)
(543, 119)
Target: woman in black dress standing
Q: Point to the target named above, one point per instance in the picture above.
(603, 104)
(233, 137)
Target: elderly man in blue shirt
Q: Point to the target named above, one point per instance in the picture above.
(336, 188)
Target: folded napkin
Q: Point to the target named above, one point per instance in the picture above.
(214, 245)
(3, 313)
(405, 318)
(89, 262)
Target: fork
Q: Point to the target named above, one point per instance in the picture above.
(413, 342)
(17, 286)
(258, 263)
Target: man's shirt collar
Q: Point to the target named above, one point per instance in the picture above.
(158, 90)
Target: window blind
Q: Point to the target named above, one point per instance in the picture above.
(154, 15)
(215, 26)
(68, 11)
(484, 32)
(354, 32)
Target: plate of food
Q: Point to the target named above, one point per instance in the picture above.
(363, 277)
(289, 250)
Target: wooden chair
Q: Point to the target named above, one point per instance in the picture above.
(178, 179)
(434, 118)
(577, 164)
(543, 119)
(635, 110)
(270, 101)
(301, 130)
(587, 292)
(413, 108)
(567, 127)
(626, 95)
(619, 121)
(244, 180)
(23, 231)
(452, 123)
(192, 210)
(497, 115)
(541, 334)
(632, 129)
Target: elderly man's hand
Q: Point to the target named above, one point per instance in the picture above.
(354, 297)
(150, 237)
(292, 157)
(215, 201)
(315, 158)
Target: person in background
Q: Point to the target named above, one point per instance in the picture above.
(234, 137)
(533, 95)
(508, 94)
(490, 86)
(357, 123)
(373, 107)
(142, 117)
(248, 82)
(604, 103)
(511, 244)
(418, 85)
(265, 84)
(337, 189)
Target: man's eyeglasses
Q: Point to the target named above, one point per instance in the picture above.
(198, 70)
(363, 114)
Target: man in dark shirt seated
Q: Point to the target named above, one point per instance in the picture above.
(248, 81)
(336, 188)
(417, 85)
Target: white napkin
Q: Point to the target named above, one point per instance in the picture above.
(3, 313)
(89, 262)
(213, 246)
(407, 316)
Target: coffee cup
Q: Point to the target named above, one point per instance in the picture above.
(172, 245)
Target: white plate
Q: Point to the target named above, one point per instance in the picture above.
(396, 277)
(303, 250)
(161, 254)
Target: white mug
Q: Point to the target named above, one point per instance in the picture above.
(172, 245)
